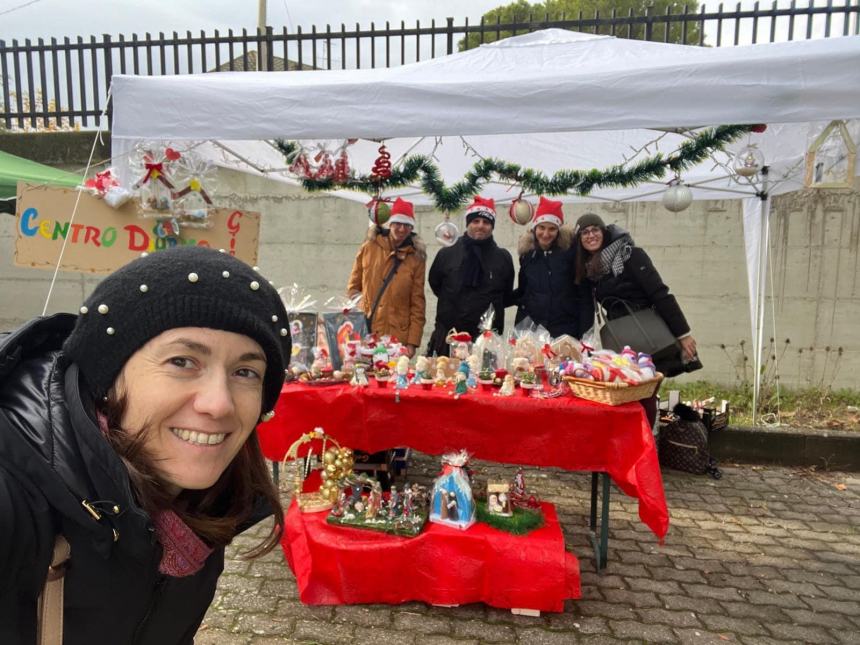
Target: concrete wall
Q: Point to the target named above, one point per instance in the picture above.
(312, 239)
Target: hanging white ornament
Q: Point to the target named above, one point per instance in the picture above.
(749, 161)
(521, 211)
(446, 232)
(677, 197)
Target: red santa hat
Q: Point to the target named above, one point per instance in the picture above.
(481, 207)
(548, 211)
(403, 212)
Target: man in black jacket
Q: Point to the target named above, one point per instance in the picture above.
(470, 276)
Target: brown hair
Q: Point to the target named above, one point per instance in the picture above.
(582, 257)
(215, 514)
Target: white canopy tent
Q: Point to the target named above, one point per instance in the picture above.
(548, 100)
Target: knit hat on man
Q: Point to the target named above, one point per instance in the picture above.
(403, 212)
(589, 219)
(548, 211)
(481, 207)
(178, 287)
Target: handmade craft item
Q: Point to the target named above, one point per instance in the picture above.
(337, 463)
(452, 501)
(362, 504)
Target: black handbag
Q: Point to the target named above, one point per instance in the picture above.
(683, 444)
(643, 330)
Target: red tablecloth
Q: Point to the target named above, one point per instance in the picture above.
(337, 565)
(565, 432)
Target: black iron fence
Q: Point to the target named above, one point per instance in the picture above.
(56, 85)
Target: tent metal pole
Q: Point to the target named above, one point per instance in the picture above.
(760, 296)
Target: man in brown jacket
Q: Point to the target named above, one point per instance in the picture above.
(389, 273)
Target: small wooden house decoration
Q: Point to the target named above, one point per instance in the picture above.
(831, 158)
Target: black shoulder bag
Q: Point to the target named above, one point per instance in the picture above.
(385, 282)
(643, 330)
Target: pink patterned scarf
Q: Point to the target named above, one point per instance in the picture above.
(184, 552)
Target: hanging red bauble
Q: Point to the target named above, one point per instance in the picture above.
(382, 166)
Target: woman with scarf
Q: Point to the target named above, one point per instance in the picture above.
(128, 449)
(470, 276)
(608, 259)
(547, 292)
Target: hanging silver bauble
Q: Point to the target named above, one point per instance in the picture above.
(521, 211)
(677, 197)
(446, 233)
(748, 162)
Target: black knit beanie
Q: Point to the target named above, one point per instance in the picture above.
(589, 219)
(178, 287)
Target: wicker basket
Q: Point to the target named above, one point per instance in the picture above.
(613, 393)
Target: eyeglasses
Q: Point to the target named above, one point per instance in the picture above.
(591, 231)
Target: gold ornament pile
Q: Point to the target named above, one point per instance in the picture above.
(337, 465)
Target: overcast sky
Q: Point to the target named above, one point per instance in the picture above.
(46, 18)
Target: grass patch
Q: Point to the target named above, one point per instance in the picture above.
(521, 522)
(814, 407)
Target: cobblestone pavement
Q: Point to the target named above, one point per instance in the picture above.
(765, 555)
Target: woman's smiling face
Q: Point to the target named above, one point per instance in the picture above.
(592, 238)
(198, 392)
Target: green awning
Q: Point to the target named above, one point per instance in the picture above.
(14, 169)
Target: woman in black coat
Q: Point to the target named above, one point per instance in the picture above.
(547, 292)
(130, 431)
(608, 259)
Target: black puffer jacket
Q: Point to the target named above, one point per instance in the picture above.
(547, 292)
(641, 286)
(52, 459)
(461, 307)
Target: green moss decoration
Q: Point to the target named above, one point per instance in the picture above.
(524, 520)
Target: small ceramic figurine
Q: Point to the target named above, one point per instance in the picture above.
(508, 386)
(393, 503)
(408, 501)
(359, 377)
(402, 380)
(474, 366)
(460, 386)
(320, 362)
(442, 370)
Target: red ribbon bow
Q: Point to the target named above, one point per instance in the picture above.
(152, 169)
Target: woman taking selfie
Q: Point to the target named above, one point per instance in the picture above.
(130, 431)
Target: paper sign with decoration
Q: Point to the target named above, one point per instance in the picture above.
(102, 239)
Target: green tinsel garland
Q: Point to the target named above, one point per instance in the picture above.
(582, 182)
